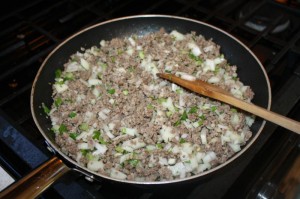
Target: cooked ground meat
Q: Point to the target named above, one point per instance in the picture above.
(113, 115)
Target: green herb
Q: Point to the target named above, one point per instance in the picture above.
(103, 66)
(213, 108)
(168, 113)
(184, 116)
(46, 109)
(188, 161)
(159, 145)
(73, 135)
(161, 100)
(202, 117)
(198, 60)
(58, 101)
(133, 162)
(177, 123)
(131, 69)
(84, 126)
(62, 129)
(58, 73)
(123, 130)
(72, 115)
(84, 151)
(119, 149)
(182, 140)
(68, 76)
(150, 106)
(168, 71)
(113, 59)
(141, 55)
(97, 136)
(179, 91)
(111, 91)
(125, 92)
(194, 109)
(217, 69)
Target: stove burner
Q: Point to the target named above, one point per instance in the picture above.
(264, 18)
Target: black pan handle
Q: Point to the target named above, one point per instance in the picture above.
(34, 183)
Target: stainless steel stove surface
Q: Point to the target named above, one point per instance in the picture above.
(31, 29)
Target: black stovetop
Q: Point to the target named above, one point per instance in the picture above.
(31, 29)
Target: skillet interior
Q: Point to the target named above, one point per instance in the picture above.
(250, 70)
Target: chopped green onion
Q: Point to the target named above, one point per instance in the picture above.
(184, 116)
(125, 92)
(198, 60)
(213, 108)
(72, 115)
(233, 110)
(182, 140)
(62, 128)
(150, 106)
(58, 101)
(46, 109)
(113, 59)
(168, 71)
(103, 66)
(119, 149)
(69, 76)
(73, 135)
(111, 91)
(133, 162)
(161, 100)
(168, 113)
(58, 73)
(202, 117)
(194, 109)
(141, 55)
(123, 130)
(84, 151)
(84, 126)
(131, 69)
(159, 145)
(187, 161)
(96, 135)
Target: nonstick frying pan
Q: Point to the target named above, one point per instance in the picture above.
(250, 71)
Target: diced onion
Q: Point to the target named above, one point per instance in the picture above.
(117, 174)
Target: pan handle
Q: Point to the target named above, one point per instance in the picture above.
(34, 183)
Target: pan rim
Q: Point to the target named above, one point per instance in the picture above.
(205, 173)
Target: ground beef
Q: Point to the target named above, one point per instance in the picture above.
(112, 114)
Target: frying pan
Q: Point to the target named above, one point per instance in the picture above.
(250, 71)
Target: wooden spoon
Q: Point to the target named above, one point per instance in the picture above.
(217, 93)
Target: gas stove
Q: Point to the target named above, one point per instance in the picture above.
(271, 29)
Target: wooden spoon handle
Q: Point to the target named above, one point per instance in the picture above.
(217, 93)
(261, 112)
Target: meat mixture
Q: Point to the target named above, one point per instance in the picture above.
(113, 115)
